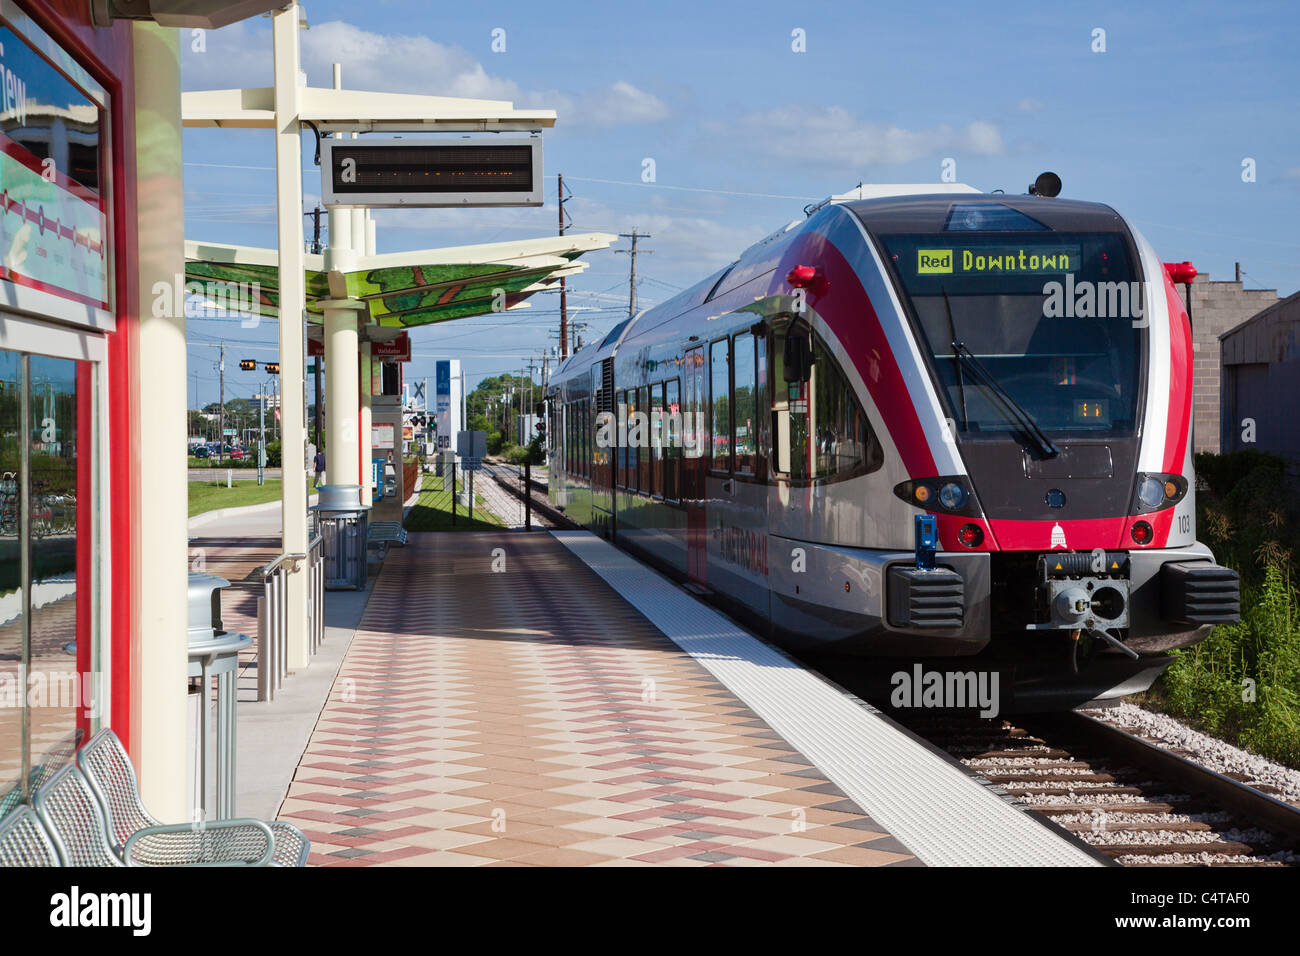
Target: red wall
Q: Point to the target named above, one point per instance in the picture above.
(105, 53)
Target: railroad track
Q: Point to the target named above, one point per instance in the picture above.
(1135, 801)
(544, 515)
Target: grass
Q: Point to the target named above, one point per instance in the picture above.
(432, 511)
(1242, 683)
(209, 496)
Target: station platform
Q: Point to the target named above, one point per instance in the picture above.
(501, 704)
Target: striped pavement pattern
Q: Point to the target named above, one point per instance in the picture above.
(500, 705)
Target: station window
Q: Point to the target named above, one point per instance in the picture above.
(720, 405)
(46, 486)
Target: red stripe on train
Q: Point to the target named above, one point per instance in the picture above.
(1082, 534)
(849, 312)
(1180, 381)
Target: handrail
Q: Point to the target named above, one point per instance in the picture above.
(293, 556)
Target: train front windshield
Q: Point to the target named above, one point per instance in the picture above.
(1054, 319)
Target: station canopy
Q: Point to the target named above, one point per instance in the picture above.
(403, 289)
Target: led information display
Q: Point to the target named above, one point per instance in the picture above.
(1000, 259)
(411, 172)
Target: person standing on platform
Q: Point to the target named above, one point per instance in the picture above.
(320, 467)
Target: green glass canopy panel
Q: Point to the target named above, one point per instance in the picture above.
(401, 290)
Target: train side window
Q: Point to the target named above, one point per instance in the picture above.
(643, 453)
(762, 402)
(672, 439)
(588, 443)
(720, 405)
(633, 451)
(692, 396)
(621, 455)
(744, 403)
(821, 430)
(657, 437)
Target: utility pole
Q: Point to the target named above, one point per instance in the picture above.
(261, 437)
(564, 298)
(221, 410)
(631, 284)
(315, 215)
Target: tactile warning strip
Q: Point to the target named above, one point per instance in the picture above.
(942, 815)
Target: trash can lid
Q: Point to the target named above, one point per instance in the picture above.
(202, 615)
(339, 498)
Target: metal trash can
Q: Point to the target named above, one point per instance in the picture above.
(212, 653)
(344, 524)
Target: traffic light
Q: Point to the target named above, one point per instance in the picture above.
(247, 365)
(273, 368)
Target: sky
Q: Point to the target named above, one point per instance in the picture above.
(1182, 116)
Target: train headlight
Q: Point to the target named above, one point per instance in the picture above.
(952, 496)
(1157, 492)
(1151, 493)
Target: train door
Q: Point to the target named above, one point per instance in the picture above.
(694, 462)
(602, 451)
(736, 537)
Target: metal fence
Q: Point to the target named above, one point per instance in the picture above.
(273, 614)
(316, 591)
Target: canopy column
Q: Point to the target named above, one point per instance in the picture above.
(366, 386)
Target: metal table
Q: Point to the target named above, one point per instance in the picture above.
(218, 657)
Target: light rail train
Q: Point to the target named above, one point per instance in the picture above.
(1016, 368)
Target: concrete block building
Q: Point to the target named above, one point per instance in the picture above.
(1216, 307)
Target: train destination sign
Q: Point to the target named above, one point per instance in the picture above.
(999, 259)
(402, 172)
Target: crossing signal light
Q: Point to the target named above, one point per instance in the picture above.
(273, 368)
(247, 364)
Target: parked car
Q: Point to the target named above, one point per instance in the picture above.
(200, 451)
(237, 454)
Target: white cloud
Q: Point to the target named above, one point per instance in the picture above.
(240, 56)
(1292, 173)
(397, 63)
(1030, 105)
(835, 137)
(619, 104)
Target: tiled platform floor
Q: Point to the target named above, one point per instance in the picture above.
(529, 716)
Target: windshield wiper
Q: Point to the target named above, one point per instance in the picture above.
(1015, 412)
(956, 360)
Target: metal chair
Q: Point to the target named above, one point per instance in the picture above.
(24, 842)
(112, 778)
(74, 818)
